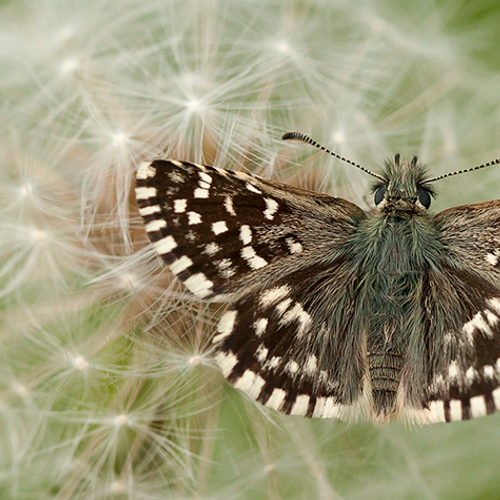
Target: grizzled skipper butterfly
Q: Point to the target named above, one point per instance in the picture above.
(334, 311)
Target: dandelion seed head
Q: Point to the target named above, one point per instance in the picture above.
(79, 363)
(119, 138)
(38, 235)
(117, 487)
(122, 420)
(338, 137)
(195, 360)
(21, 390)
(69, 66)
(26, 190)
(194, 106)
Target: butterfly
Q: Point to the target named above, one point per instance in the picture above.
(337, 312)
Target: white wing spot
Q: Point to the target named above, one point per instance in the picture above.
(436, 409)
(194, 218)
(453, 370)
(273, 362)
(226, 326)
(276, 399)
(283, 306)
(272, 296)
(144, 193)
(201, 193)
(492, 259)
(145, 171)
(252, 188)
(260, 326)
(496, 397)
(297, 313)
(199, 285)
(478, 406)
(311, 364)
(180, 206)
(165, 245)
(152, 209)
(155, 225)
(471, 374)
(219, 227)
(181, 264)
(262, 353)
(294, 246)
(477, 322)
(176, 163)
(250, 382)
(212, 248)
(292, 367)
(226, 361)
(271, 208)
(301, 405)
(253, 260)
(245, 234)
(489, 371)
(494, 304)
(228, 204)
(206, 177)
(455, 409)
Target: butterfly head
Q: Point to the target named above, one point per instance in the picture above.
(404, 190)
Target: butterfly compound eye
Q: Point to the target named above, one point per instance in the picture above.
(379, 195)
(424, 197)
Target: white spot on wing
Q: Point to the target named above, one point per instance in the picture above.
(219, 227)
(201, 193)
(253, 260)
(226, 326)
(456, 409)
(153, 209)
(177, 163)
(194, 218)
(436, 409)
(155, 225)
(181, 264)
(492, 259)
(276, 399)
(301, 405)
(226, 361)
(297, 313)
(252, 188)
(228, 204)
(272, 296)
(494, 304)
(245, 234)
(453, 370)
(292, 367)
(146, 170)
(199, 285)
(212, 248)
(206, 177)
(262, 353)
(180, 206)
(165, 245)
(260, 326)
(311, 364)
(496, 397)
(271, 208)
(489, 371)
(294, 246)
(478, 406)
(144, 193)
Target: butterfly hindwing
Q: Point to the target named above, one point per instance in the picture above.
(214, 228)
(292, 350)
(462, 316)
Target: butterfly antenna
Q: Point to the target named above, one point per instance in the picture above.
(496, 161)
(298, 136)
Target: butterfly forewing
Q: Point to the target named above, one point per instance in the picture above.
(224, 233)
